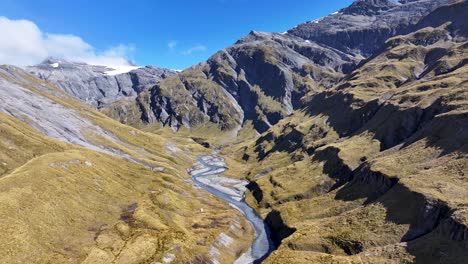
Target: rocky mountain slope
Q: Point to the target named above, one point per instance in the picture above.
(79, 187)
(231, 89)
(364, 26)
(373, 170)
(98, 85)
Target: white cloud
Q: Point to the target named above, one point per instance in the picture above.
(194, 49)
(172, 44)
(23, 43)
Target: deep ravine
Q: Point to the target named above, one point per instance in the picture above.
(206, 173)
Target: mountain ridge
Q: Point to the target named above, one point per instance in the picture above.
(305, 59)
(298, 65)
(80, 187)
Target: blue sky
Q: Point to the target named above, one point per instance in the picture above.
(174, 34)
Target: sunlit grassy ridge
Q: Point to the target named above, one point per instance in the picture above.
(131, 201)
(372, 170)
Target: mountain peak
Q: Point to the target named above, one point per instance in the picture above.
(51, 61)
(368, 7)
(55, 60)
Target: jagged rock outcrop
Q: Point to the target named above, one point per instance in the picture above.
(98, 85)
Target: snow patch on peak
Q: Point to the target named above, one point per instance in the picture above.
(115, 70)
(54, 65)
(316, 21)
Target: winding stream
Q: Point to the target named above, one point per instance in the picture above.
(206, 174)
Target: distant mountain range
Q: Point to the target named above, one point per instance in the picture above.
(98, 85)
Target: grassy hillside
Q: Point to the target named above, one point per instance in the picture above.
(95, 191)
(372, 170)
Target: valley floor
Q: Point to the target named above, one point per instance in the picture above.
(207, 174)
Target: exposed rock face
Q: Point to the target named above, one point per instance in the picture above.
(237, 77)
(40, 112)
(97, 85)
(262, 77)
(365, 25)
